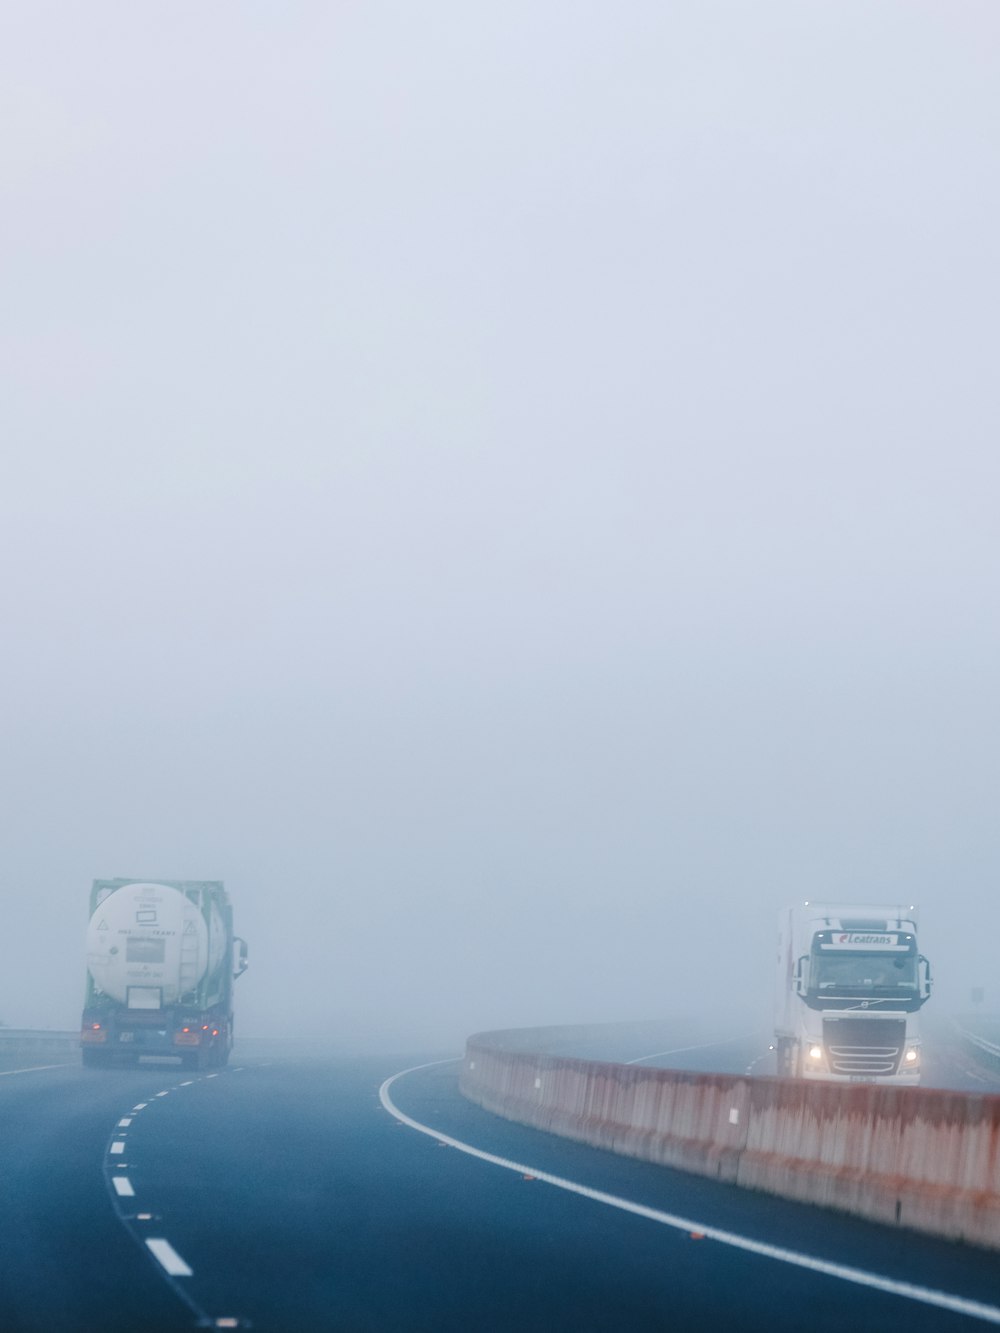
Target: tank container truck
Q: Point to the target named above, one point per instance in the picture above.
(161, 962)
(849, 989)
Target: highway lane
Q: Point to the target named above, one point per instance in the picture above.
(672, 1044)
(678, 1043)
(297, 1201)
(950, 1062)
(65, 1262)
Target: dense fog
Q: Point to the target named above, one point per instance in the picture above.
(511, 489)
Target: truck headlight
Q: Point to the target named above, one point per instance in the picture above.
(911, 1056)
(815, 1052)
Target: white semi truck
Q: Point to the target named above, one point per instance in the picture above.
(161, 961)
(850, 985)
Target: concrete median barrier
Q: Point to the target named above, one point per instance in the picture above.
(922, 1158)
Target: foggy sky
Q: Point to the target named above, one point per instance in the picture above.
(511, 489)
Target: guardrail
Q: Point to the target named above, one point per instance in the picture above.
(981, 1046)
(921, 1158)
(16, 1042)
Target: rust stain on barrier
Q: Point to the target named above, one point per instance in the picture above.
(918, 1157)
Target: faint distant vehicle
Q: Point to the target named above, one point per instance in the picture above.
(161, 961)
(850, 985)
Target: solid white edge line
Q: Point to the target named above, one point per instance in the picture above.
(908, 1290)
(168, 1257)
(123, 1187)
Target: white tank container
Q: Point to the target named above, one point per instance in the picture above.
(147, 945)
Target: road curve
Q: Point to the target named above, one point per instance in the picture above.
(283, 1195)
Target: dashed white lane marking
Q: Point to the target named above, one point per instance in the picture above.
(118, 1146)
(967, 1071)
(907, 1290)
(123, 1187)
(164, 1094)
(187, 1083)
(141, 1106)
(681, 1050)
(211, 1076)
(125, 1121)
(768, 1055)
(981, 1078)
(31, 1069)
(168, 1257)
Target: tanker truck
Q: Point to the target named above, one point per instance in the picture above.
(849, 988)
(161, 962)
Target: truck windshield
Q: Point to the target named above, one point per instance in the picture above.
(881, 973)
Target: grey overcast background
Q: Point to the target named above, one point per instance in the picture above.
(511, 488)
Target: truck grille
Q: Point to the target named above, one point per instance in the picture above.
(863, 1046)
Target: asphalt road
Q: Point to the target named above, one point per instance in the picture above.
(946, 1061)
(288, 1197)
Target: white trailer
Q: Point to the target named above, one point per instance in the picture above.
(850, 984)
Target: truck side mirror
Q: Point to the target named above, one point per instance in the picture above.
(240, 959)
(926, 980)
(802, 975)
